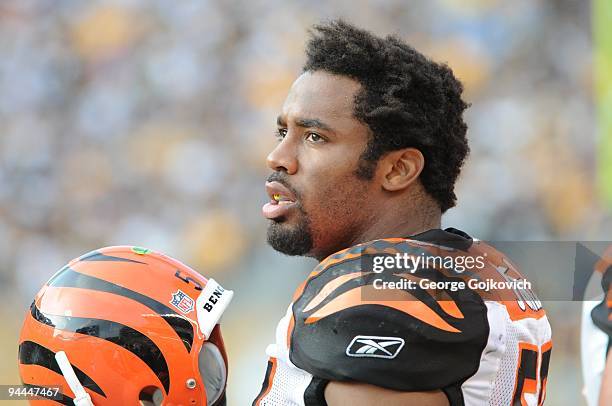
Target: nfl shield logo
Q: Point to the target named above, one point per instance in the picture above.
(182, 301)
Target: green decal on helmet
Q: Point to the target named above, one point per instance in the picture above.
(141, 250)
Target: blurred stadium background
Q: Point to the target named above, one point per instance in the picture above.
(147, 123)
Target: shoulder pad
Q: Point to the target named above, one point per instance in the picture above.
(344, 328)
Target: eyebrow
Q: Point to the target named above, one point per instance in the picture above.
(307, 123)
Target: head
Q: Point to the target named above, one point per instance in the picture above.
(370, 135)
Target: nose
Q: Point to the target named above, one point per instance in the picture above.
(283, 157)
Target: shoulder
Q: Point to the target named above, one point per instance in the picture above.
(345, 328)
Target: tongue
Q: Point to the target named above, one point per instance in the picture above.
(274, 210)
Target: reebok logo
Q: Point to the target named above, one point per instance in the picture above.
(375, 347)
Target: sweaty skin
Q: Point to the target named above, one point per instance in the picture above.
(327, 207)
(320, 143)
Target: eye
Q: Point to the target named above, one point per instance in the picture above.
(314, 137)
(280, 133)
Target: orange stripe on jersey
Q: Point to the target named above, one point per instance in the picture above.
(523, 381)
(605, 261)
(330, 261)
(329, 288)
(450, 307)
(403, 301)
(444, 300)
(531, 386)
(355, 252)
(517, 313)
(299, 290)
(290, 328)
(268, 383)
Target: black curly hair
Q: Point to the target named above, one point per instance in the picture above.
(406, 100)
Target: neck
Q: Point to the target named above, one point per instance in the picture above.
(394, 221)
(392, 227)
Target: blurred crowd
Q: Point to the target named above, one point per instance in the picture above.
(147, 122)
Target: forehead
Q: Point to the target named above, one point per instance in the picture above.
(321, 95)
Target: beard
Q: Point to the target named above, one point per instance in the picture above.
(291, 240)
(333, 214)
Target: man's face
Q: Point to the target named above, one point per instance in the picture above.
(318, 205)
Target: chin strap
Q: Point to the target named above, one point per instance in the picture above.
(81, 398)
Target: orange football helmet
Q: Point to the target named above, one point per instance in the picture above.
(127, 326)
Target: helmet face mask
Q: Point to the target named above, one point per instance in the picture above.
(213, 371)
(128, 322)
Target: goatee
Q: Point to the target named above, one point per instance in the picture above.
(290, 240)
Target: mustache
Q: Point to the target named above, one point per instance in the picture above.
(281, 177)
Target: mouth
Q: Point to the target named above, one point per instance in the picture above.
(282, 200)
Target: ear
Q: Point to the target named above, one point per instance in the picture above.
(401, 168)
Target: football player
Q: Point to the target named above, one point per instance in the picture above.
(371, 140)
(596, 338)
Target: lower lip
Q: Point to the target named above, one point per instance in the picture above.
(272, 211)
